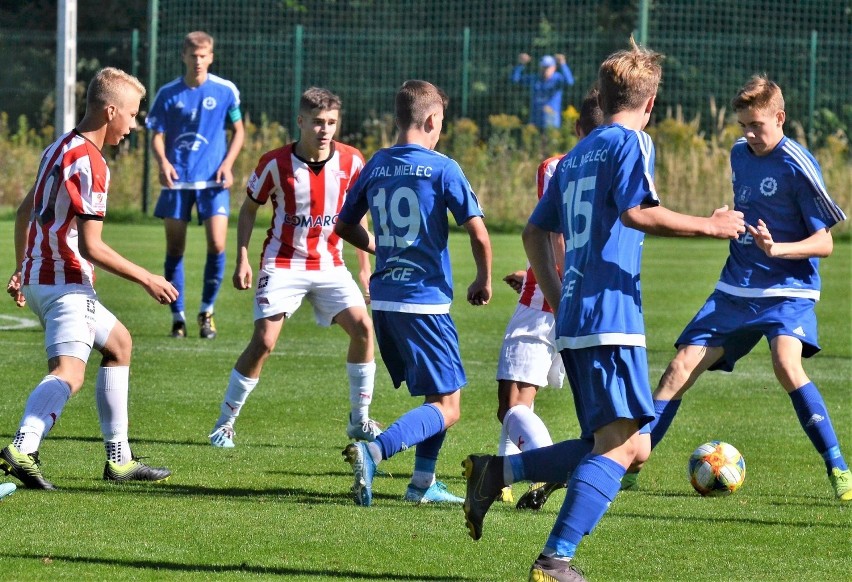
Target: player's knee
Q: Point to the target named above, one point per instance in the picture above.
(675, 379)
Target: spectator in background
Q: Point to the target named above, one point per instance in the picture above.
(545, 88)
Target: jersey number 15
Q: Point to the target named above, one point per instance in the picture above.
(578, 212)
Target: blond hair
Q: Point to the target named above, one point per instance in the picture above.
(108, 87)
(415, 100)
(197, 39)
(759, 93)
(628, 78)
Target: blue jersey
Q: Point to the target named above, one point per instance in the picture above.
(193, 121)
(408, 190)
(546, 94)
(784, 188)
(608, 172)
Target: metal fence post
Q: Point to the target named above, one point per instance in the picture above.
(153, 21)
(298, 55)
(465, 70)
(812, 90)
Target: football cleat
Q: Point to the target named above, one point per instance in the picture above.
(134, 471)
(364, 469)
(548, 569)
(630, 481)
(536, 496)
(436, 493)
(841, 481)
(207, 327)
(364, 431)
(24, 467)
(484, 474)
(223, 437)
(506, 495)
(6, 489)
(179, 329)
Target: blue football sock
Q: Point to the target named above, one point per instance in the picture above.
(552, 464)
(664, 411)
(173, 272)
(410, 429)
(426, 459)
(214, 273)
(813, 416)
(592, 488)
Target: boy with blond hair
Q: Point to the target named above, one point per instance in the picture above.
(57, 244)
(770, 283)
(602, 199)
(409, 189)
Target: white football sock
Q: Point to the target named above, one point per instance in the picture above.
(41, 412)
(526, 429)
(506, 446)
(239, 388)
(361, 383)
(111, 394)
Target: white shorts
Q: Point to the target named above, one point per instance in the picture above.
(330, 291)
(529, 353)
(73, 319)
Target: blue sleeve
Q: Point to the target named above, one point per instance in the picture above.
(546, 214)
(518, 76)
(566, 74)
(633, 182)
(355, 205)
(458, 194)
(156, 118)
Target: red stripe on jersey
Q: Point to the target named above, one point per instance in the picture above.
(73, 180)
(531, 294)
(305, 206)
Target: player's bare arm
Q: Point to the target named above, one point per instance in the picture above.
(539, 249)
(819, 245)
(657, 220)
(225, 174)
(167, 173)
(242, 278)
(94, 249)
(22, 224)
(365, 269)
(357, 235)
(479, 292)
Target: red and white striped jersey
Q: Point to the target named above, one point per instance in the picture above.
(73, 180)
(305, 206)
(531, 294)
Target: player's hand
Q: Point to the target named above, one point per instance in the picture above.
(242, 278)
(160, 289)
(168, 175)
(762, 237)
(560, 59)
(225, 177)
(515, 280)
(13, 288)
(727, 223)
(524, 58)
(479, 293)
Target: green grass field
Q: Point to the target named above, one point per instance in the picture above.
(277, 506)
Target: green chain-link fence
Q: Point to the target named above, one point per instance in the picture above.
(363, 49)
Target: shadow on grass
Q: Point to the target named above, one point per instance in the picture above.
(159, 565)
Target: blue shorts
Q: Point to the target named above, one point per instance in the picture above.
(420, 350)
(178, 204)
(736, 324)
(609, 383)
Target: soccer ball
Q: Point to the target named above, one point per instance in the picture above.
(716, 468)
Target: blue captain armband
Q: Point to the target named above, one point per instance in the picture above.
(234, 114)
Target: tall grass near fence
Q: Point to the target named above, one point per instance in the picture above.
(692, 172)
